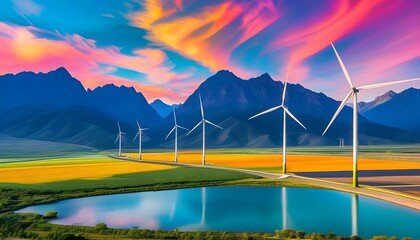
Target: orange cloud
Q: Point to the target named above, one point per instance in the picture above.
(207, 36)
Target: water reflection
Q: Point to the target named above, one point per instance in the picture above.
(241, 209)
(203, 201)
(284, 207)
(354, 214)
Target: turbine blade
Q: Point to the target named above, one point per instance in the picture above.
(119, 128)
(198, 124)
(343, 103)
(138, 123)
(213, 124)
(116, 139)
(136, 136)
(170, 132)
(183, 127)
(173, 109)
(285, 85)
(201, 106)
(266, 111)
(386, 84)
(343, 67)
(294, 118)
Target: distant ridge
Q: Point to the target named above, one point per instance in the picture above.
(162, 108)
(229, 101)
(366, 106)
(402, 110)
(54, 106)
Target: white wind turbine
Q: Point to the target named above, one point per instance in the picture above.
(203, 121)
(353, 91)
(119, 137)
(285, 111)
(175, 128)
(139, 133)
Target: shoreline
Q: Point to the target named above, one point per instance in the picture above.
(390, 196)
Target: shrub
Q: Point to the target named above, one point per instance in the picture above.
(379, 238)
(300, 234)
(50, 215)
(101, 226)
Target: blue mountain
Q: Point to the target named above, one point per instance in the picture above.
(162, 108)
(56, 89)
(366, 106)
(124, 104)
(55, 106)
(400, 111)
(229, 101)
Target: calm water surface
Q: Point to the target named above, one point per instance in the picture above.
(241, 209)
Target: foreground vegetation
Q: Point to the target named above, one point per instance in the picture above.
(34, 226)
(14, 196)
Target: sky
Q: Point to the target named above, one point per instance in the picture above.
(167, 48)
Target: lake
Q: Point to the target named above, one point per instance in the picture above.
(241, 208)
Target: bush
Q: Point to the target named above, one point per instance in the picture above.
(101, 226)
(300, 234)
(50, 215)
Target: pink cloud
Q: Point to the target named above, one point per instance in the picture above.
(92, 65)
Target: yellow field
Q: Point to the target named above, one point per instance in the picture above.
(296, 163)
(69, 169)
(44, 171)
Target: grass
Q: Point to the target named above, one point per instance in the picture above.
(14, 196)
(180, 175)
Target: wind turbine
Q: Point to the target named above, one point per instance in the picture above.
(119, 137)
(140, 131)
(175, 128)
(353, 91)
(203, 121)
(285, 111)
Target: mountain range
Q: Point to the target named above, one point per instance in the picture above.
(55, 106)
(162, 108)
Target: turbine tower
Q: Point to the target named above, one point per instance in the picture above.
(139, 132)
(285, 111)
(203, 121)
(119, 137)
(353, 92)
(175, 128)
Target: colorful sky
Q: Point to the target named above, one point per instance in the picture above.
(166, 48)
